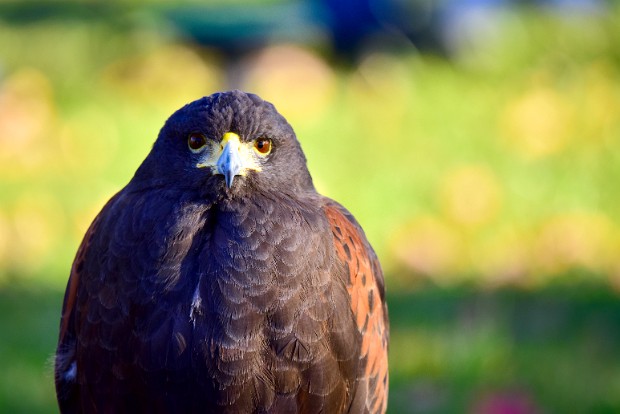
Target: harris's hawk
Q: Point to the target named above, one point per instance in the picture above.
(219, 280)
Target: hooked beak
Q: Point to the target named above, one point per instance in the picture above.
(230, 158)
(230, 163)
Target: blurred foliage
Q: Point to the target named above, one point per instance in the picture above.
(452, 350)
(495, 168)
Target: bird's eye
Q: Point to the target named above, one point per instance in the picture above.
(196, 141)
(263, 146)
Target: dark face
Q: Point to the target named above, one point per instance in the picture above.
(229, 143)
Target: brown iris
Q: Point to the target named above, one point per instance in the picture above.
(263, 145)
(196, 141)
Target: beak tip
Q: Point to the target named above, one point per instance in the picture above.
(229, 164)
(229, 180)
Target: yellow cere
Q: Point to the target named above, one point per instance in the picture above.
(246, 151)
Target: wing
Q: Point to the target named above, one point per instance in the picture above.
(121, 318)
(65, 362)
(367, 292)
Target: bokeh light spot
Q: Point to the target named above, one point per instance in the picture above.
(579, 239)
(298, 82)
(470, 195)
(168, 77)
(428, 247)
(39, 224)
(26, 117)
(537, 123)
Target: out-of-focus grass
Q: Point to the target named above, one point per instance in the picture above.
(452, 350)
(553, 350)
(29, 322)
(497, 168)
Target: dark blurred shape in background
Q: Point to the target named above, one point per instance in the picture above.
(477, 142)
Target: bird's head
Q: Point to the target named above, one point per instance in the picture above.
(227, 143)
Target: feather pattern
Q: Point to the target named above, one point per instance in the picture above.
(186, 296)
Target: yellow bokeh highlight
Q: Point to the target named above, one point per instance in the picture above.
(537, 124)
(599, 105)
(581, 239)
(382, 85)
(166, 77)
(503, 257)
(38, 224)
(88, 140)
(27, 117)
(298, 82)
(429, 247)
(470, 195)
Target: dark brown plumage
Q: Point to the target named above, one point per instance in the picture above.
(218, 280)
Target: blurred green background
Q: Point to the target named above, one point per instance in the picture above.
(477, 142)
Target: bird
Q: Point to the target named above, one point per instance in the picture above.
(218, 280)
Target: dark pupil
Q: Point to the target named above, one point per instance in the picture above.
(262, 145)
(196, 141)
